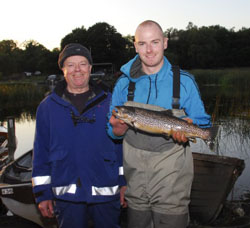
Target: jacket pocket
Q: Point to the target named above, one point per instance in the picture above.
(57, 155)
(62, 167)
(111, 167)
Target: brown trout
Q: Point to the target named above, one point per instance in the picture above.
(163, 123)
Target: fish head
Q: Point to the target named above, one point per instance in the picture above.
(124, 113)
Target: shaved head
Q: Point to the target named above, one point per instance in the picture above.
(150, 44)
(147, 23)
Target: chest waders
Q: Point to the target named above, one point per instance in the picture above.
(158, 182)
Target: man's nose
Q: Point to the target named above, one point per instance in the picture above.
(77, 67)
(149, 48)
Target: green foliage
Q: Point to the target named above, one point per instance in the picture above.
(19, 98)
(78, 35)
(104, 42)
(34, 57)
(225, 87)
(222, 77)
(210, 47)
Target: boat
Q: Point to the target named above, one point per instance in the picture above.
(3, 141)
(16, 191)
(214, 178)
(8, 142)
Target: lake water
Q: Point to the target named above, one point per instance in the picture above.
(229, 111)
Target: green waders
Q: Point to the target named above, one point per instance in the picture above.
(158, 185)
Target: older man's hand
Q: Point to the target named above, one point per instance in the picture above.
(46, 208)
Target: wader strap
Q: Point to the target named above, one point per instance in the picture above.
(176, 87)
(131, 91)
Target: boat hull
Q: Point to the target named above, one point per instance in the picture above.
(214, 178)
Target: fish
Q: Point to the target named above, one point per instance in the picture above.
(164, 123)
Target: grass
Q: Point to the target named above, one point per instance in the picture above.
(16, 99)
(223, 77)
(225, 92)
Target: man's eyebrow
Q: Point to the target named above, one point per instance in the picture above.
(140, 41)
(156, 40)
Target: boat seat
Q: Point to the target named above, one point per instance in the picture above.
(20, 168)
(3, 147)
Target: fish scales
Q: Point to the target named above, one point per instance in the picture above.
(163, 122)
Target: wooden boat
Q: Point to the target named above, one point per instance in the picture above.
(3, 146)
(16, 191)
(214, 177)
(8, 142)
(3, 140)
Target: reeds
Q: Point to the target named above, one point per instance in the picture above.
(16, 99)
(225, 92)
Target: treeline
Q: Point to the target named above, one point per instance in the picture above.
(209, 47)
(204, 47)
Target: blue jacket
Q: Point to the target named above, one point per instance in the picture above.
(75, 161)
(157, 89)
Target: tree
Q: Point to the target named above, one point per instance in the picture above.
(106, 44)
(10, 57)
(103, 41)
(35, 56)
(78, 35)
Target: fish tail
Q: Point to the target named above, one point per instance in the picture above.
(213, 132)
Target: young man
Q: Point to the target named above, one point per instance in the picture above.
(158, 171)
(77, 167)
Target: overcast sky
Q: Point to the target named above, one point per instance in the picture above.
(48, 21)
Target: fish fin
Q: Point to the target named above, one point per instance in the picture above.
(134, 127)
(167, 112)
(211, 144)
(213, 132)
(193, 140)
(166, 136)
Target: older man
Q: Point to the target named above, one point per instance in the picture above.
(77, 168)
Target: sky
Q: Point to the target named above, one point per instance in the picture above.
(48, 21)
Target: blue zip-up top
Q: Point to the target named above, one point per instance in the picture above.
(74, 158)
(157, 89)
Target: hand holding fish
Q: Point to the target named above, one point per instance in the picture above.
(119, 126)
(179, 136)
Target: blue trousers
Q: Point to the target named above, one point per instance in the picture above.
(78, 215)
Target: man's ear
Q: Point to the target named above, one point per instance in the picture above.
(165, 43)
(135, 45)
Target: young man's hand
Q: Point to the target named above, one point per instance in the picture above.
(119, 126)
(179, 136)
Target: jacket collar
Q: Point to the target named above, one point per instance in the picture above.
(58, 92)
(133, 69)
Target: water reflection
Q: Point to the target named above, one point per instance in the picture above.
(230, 108)
(233, 140)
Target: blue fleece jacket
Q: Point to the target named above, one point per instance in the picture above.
(75, 161)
